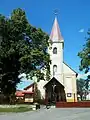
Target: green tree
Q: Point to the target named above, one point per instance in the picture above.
(80, 87)
(23, 49)
(85, 55)
(85, 59)
(87, 81)
(37, 93)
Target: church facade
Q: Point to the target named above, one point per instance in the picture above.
(62, 83)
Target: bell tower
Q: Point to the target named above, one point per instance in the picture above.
(56, 52)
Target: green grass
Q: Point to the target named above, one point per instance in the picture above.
(16, 109)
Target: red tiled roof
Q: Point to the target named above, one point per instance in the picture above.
(27, 92)
(19, 94)
(22, 93)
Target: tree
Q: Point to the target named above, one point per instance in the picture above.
(37, 93)
(85, 55)
(85, 59)
(87, 83)
(80, 87)
(23, 49)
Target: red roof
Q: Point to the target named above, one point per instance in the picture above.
(27, 92)
(22, 93)
(19, 94)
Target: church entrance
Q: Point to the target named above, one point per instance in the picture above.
(54, 91)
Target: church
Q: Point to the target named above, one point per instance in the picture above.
(62, 84)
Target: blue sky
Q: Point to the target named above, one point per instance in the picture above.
(73, 18)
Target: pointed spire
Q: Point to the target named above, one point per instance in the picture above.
(55, 33)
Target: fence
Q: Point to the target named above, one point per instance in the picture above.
(72, 104)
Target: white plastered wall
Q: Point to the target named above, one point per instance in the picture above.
(69, 81)
(57, 59)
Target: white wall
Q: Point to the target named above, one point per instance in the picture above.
(67, 70)
(68, 84)
(57, 59)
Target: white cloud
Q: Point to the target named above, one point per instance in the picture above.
(81, 30)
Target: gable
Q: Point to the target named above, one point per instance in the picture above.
(68, 69)
(24, 83)
(53, 81)
(30, 87)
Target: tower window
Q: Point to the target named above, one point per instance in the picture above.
(55, 50)
(54, 69)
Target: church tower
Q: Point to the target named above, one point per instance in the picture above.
(62, 83)
(56, 52)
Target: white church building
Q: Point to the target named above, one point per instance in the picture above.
(62, 83)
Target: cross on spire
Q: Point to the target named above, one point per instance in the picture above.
(55, 33)
(56, 12)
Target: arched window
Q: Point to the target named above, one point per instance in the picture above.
(54, 69)
(55, 50)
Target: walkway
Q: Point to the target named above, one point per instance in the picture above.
(50, 114)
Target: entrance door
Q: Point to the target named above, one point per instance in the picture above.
(55, 91)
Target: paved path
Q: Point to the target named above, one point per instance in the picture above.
(50, 114)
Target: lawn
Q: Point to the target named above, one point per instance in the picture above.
(15, 109)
